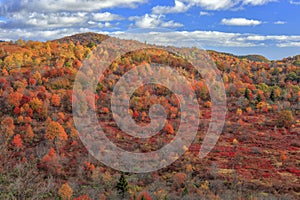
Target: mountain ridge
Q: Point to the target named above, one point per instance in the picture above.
(92, 39)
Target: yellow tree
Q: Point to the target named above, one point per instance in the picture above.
(36, 104)
(8, 127)
(55, 131)
(65, 192)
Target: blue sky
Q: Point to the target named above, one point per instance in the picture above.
(267, 27)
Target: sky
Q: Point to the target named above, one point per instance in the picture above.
(267, 27)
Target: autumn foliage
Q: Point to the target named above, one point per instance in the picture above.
(40, 145)
(144, 196)
(7, 126)
(55, 100)
(17, 141)
(65, 192)
(55, 131)
(285, 118)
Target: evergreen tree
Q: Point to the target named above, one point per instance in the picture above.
(122, 185)
(247, 94)
(272, 95)
(258, 98)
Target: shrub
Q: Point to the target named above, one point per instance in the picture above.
(285, 118)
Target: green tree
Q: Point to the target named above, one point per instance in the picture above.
(291, 77)
(122, 185)
(247, 94)
(272, 95)
(258, 98)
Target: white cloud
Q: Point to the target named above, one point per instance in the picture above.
(214, 4)
(153, 21)
(289, 44)
(171, 24)
(279, 38)
(295, 2)
(39, 20)
(53, 20)
(257, 2)
(256, 38)
(64, 5)
(42, 35)
(203, 13)
(185, 38)
(184, 5)
(178, 8)
(105, 17)
(240, 22)
(227, 4)
(211, 39)
(280, 22)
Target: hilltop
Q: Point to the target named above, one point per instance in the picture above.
(83, 38)
(96, 38)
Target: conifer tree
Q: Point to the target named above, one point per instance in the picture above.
(247, 94)
(122, 185)
(272, 95)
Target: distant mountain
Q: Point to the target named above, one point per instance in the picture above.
(84, 38)
(255, 58)
(295, 60)
(92, 39)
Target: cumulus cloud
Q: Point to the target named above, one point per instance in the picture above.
(153, 21)
(52, 20)
(226, 4)
(9, 6)
(214, 4)
(184, 5)
(39, 20)
(240, 22)
(178, 8)
(211, 39)
(189, 38)
(42, 35)
(106, 16)
(289, 44)
(257, 2)
(59, 14)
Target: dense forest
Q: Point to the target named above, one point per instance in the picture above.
(42, 156)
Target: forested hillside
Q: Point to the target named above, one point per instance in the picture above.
(42, 157)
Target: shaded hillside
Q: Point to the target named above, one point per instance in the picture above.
(84, 38)
(295, 60)
(255, 58)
